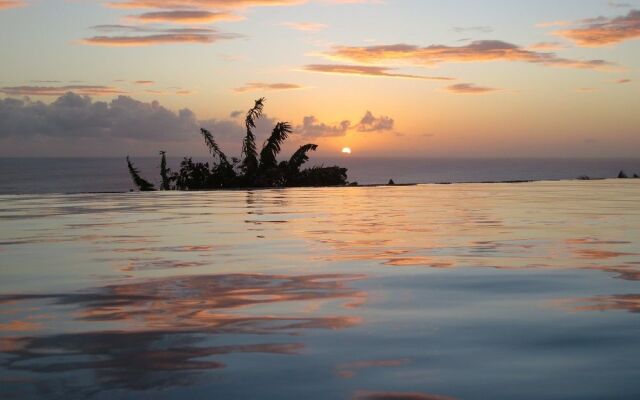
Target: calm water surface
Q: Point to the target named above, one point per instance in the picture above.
(526, 291)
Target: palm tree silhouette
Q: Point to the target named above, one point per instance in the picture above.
(252, 171)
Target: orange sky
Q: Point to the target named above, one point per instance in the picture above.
(386, 78)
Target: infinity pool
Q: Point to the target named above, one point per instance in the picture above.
(477, 291)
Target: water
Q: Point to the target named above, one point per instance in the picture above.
(478, 291)
(77, 175)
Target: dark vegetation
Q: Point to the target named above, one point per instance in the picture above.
(253, 170)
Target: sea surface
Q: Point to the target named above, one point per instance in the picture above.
(82, 175)
(476, 291)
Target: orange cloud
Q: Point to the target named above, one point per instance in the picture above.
(144, 82)
(206, 4)
(155, 36)
(367, 70)
(477, 51)
(87, 90)
(4, 4)
(184, 17)
(469, 88)
(603, 31)
(260, 86)
(546, 46)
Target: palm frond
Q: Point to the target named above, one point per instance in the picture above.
(271, 146)
(300, 156)
(213, 146)
(142, 184)
(250, 163)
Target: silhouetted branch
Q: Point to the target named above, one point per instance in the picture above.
(250, 163)
(164, 172)
(271, 147)
(213, 146)
(300, 157)
(142, 184)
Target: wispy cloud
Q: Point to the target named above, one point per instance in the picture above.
(5, 4)
(623, 81)
(603, 31)
(477, 51)
(470, 88)
(144, 82)
(89, 90)
(264, 87)
(186, 17)
(367, 70)
(479, 29)
(203, 4)
(131, 36)
(305, 26)
(616, 4)
(547, 46)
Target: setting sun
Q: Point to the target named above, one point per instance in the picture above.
(346, 150)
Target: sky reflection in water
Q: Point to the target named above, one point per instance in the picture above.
(430, 292)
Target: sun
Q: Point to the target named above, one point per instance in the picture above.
(346, 150)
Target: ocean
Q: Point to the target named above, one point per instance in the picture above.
(474, 291)
(81, 175)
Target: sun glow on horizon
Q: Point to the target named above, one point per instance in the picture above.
(346, 150)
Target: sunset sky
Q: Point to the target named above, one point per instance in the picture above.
(491, 78)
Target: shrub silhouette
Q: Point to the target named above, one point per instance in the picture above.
(253, 170)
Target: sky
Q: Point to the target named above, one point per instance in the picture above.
(387, 78)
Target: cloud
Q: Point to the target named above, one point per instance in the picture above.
(616, 4)
(154, 36)
(144, 82)
(602, 31)
(203, 4)
(623, 81)
(312, 127)
(75, 116)
(189, 17)
(367, 70)
(369, 123)
(477, 51)
(236, 114)
(481, 29)
(469, 88)
(305, 26)
(261, 86)
(546, 46)
(5, 4)
(91, 90)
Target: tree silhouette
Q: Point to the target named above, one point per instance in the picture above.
(250, 162)
(164, 172)
(252, 171)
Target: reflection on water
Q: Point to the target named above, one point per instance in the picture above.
(428, 292)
